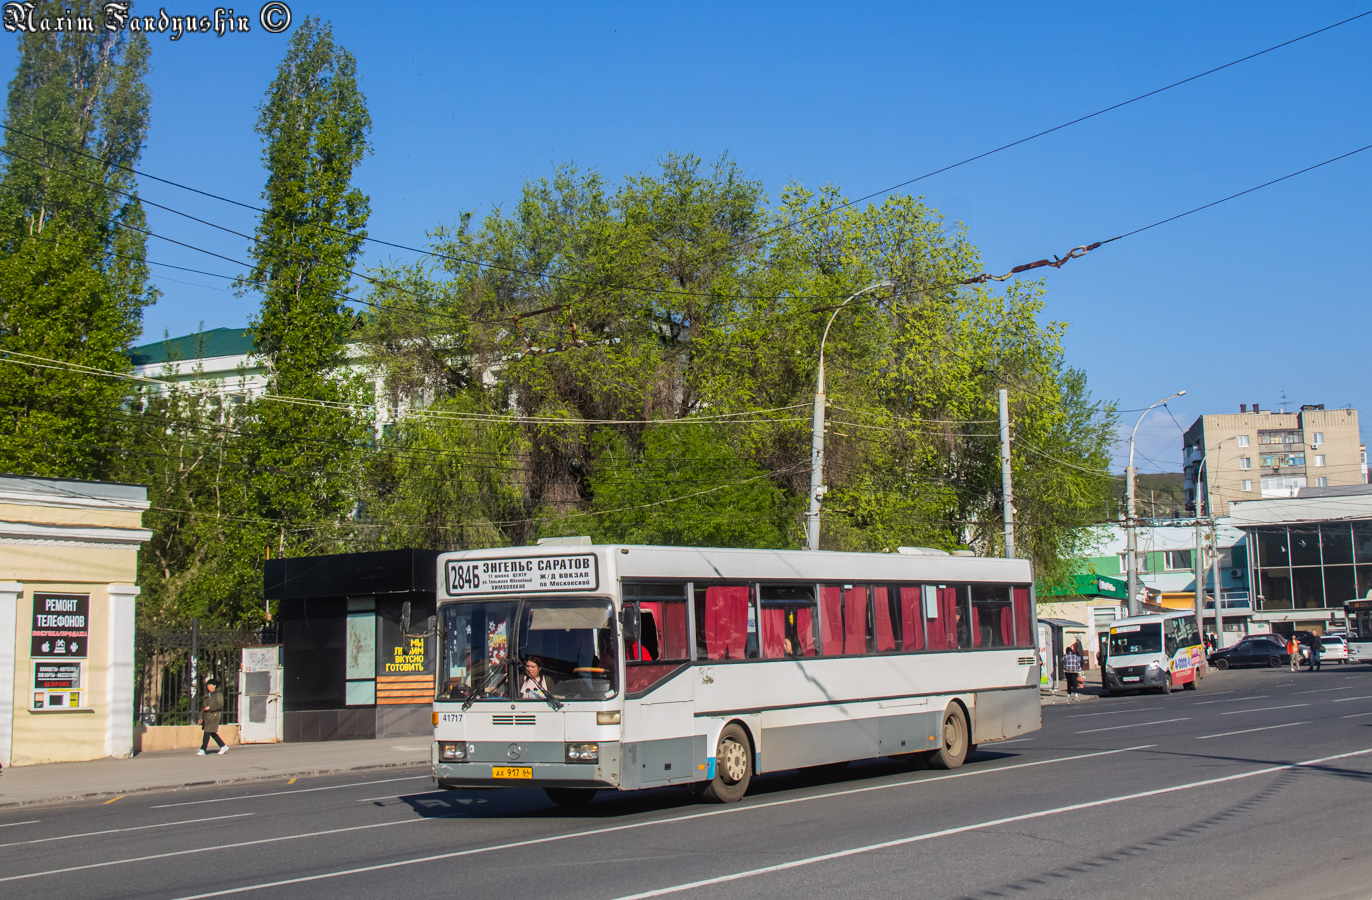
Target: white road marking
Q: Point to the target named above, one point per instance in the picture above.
(1113, 712)
(332, 787)
(1003, 743)
(12, 824)
(1346, 699)
(1135, 725)
(1217, 693)
(992, 823)
(136, 859)
(1206, 737)
(1234, 699)
(614, 828)
(1325, 690)
(1239, 712)
(1356, 715)
(67, 837)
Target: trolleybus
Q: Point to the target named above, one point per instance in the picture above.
(586, 668)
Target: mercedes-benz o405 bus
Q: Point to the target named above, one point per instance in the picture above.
(587, 668)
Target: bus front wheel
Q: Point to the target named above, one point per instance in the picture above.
(955, 740)
(733, 766)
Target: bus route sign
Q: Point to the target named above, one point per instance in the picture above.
(566, 572)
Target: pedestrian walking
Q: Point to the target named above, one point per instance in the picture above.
(1293, 648)
(1315, 653)
(1071, 667)
(209, 719)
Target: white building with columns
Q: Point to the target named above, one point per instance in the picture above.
(68, 567)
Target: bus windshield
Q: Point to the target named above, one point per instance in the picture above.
(1130, 640)
(487, 646)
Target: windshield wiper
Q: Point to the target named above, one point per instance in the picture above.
(552, 701)
(490, 676)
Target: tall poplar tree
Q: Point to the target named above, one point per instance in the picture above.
(73, 283)
(314, 125)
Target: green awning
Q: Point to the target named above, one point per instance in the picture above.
(1085, 585)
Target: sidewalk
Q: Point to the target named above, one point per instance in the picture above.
(1090, 690)
(101, 779)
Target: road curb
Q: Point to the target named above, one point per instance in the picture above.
(166, 788)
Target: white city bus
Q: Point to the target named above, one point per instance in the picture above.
(1358, 614)
(675, 665)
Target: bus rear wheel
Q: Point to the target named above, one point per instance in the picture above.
(733, 766)
(570, 797)
(955, 740)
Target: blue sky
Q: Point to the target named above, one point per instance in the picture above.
(1262, 295)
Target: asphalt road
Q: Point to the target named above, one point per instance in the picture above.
(1257, 785)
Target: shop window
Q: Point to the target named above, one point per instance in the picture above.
(992, 616)
(722, 614)
(786, 625)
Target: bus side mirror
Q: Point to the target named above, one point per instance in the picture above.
(628, 619)
(405, 617)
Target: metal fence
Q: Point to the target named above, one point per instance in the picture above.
(171, 666)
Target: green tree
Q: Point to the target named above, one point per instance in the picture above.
(304, 436)
(73, 283)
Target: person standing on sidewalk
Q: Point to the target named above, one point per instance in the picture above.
(1315, 653)
(1293, 647)
(209, 720)
(1071, 667)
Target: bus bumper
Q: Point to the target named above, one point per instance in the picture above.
(535, 765)
(1133, 678)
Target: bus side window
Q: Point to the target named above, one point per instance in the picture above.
(911, 617)
(991, 615)
(854, 619)
(787, 624)
(886, 618)
(1024, 617)
(831, 617)
(722, 621)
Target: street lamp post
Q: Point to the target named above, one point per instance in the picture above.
(1131, 536)
(817, 489)
(1199, 563)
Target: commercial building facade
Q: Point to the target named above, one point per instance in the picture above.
(1311, 553)
(1251, 455)
(68, 566)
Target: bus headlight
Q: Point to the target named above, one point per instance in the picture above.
(580, 753)
(1110, 669)
(452, 751)
(1156, 664)
(607, 717)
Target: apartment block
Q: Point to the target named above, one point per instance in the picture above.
(1260, 453)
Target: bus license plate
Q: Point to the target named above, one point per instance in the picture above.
(1130, 678)
(512, 772)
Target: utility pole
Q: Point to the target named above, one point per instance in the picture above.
(1198, 564)
(1006, 488)
(1215, 582)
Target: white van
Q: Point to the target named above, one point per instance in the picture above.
(1154, 652)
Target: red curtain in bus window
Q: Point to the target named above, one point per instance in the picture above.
(1007, 626)
(855, 620)
(831, 611)
(772, 628)
(886, 638)
(912, 618)
(726, 621)
(805, 628)
(943, 630)
(675, 638)
(1024, 618)
(979, 622)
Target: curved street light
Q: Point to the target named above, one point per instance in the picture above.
(817, 489)
(1131, 535)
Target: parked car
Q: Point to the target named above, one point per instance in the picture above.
(1334, 648)
(1254, 650)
